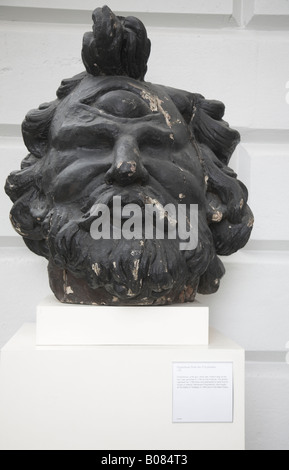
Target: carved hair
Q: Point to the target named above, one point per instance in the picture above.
(228, 214)
(117, 46)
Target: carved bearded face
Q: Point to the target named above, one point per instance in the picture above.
(110, 135)
(121, 138)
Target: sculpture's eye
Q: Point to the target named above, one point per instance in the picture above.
(121, 103)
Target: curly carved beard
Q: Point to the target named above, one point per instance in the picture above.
(129, 271)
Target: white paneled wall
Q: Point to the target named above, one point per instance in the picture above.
(236, 51)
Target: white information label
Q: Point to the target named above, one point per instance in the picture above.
(202, 392)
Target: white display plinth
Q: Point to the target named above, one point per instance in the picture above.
(65, 324)
(108, 397)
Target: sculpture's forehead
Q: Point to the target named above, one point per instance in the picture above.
(92, 86)
(125, 98)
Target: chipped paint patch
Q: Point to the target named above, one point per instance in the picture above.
(217, 216)
(180, 168)
(17, 227)
(194, 113)
(152, 100)
(130, 293)
(251, 222)
(135, 269)
(189, 293)
(182, 196)
(132, 166)
(96, 269)
(155, 104)
(161, 301)
(160, 208)
(164, 113)
(69, 290)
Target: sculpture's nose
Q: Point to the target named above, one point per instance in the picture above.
(127, 167)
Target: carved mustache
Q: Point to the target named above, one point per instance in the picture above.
(131, 196)
(119, 211)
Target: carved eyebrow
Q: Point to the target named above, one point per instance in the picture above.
(87, 134)
(99, 125)
(153, 132)
(108, 129)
